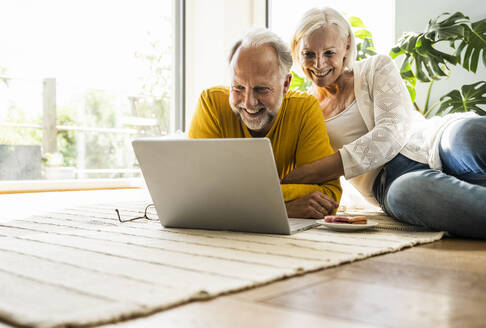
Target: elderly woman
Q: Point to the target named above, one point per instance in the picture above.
(430, 173)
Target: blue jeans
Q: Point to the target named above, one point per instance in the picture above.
(453, 199)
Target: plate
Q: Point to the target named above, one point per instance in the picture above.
(347, 226)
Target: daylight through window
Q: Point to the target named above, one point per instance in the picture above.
(78, 81)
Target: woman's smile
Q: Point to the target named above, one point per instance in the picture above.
(320, 74)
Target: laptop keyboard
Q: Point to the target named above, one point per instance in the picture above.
(301, 224)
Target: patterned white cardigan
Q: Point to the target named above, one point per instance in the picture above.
(394, 126)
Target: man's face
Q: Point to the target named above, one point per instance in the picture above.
(257, 87)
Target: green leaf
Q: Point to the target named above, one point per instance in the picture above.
(299, 83)
(363, 34)
(410, 42)
(467, 57)
(474, 60)
(466, 100)
(406, 67)
(5, 80)
(395, 52)
(428, 67)
(474, 43)
(484, 58)
(419, 73)
(459, 50)
(412, 92)
(368, 47)
(365, 48)
(431, 63)
(439, 68)
(447, 27)
(356, 22)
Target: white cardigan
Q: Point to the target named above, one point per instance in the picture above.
(394, 126)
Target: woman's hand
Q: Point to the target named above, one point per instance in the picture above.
(318, 172)
(315, 205)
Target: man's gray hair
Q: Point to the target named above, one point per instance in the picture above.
(262, 36)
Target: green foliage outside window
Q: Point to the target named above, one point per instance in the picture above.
(66, 140)
(3, 71)
(18, 135)
(104, 109)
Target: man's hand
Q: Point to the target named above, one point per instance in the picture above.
(315, 205)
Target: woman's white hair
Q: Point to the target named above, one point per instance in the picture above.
(317, 18)
(262, 36)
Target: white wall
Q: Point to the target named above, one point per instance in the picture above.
(212, 26)
(413, 15)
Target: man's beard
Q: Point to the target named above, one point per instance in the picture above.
(259, 122)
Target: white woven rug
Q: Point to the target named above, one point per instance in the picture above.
(80, 266)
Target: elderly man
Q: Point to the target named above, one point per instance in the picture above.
(259, 104)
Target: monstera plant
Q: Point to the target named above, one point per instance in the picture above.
(465, 43)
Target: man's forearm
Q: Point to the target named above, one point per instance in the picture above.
(293, 191)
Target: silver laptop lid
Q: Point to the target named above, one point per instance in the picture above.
(222, 184)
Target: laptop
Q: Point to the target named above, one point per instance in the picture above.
(216, 184)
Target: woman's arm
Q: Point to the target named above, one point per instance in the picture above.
(318, 172)
(392, 112)
(382, 97)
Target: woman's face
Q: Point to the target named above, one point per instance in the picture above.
(321, 55)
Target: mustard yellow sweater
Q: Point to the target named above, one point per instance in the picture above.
(298, 135)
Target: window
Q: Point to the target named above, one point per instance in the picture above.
(79, 80)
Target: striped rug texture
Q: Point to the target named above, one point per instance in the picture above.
(80, 266)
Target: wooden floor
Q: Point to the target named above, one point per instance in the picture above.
(442, 284)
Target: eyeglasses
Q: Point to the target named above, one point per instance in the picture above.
(147, 215)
